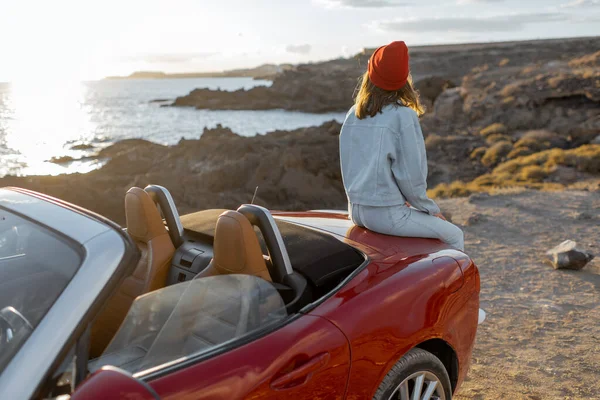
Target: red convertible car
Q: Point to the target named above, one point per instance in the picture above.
(225, 304)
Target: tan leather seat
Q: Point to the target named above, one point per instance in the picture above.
(146, 227)
(236, 249)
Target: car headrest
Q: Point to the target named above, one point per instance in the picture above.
(143, 219)
(236, 247)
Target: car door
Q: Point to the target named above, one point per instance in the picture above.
(308, 358)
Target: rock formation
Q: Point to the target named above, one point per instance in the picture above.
(293, 169)
(329, 86)
(531, 121)
(567, 256)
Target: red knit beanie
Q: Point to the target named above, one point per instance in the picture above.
(388, 66)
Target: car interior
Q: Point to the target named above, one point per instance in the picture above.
(31, 280)
(210, 277)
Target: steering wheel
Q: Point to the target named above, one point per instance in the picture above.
(13, 326)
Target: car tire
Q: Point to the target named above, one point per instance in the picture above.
(416, 365)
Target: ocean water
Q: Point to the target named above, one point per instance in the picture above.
(41, 120)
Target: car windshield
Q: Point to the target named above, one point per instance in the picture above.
(35, 266)
(191, 318)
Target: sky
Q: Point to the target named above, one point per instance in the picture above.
(90, 39)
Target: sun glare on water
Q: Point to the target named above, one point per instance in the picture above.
(46, 116)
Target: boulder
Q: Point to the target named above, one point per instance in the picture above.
(567, 256)
(61, 160)
(82, 146)
(584, 216)
(475, 218)
(449, 104)
(476, 198)
(430, 88)
(219, 132)
(309, 88)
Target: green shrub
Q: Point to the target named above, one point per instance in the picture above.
(493, 128)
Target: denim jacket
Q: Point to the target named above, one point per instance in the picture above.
(383, 159)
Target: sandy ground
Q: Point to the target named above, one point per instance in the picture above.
(541, 339)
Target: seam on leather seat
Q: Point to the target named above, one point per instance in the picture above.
(195, 335)
(221, 320)
(117, 351)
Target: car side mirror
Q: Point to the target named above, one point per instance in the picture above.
(113, 383)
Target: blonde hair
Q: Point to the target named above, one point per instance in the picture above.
(370, 99)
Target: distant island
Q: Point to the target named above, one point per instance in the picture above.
(265, 71)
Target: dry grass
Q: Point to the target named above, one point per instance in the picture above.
(497, 137)
(519, 152)
(496, 153)
(478, 153)
(585, 159)
(493, 128)
(530, 171)
(533, 173)
(433, 140)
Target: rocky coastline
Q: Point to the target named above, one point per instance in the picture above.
(497, 118)
(329, 86)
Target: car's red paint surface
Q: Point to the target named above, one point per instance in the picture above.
(310, 351)
(407, 295)
(112, 383)
(411, 292)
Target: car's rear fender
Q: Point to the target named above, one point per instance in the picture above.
(453, 337)
(446, 354)
(395, 305)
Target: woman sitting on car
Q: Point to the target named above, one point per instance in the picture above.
(384, 165)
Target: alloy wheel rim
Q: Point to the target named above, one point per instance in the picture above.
(422, 385)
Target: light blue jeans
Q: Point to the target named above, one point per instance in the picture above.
(401, 220)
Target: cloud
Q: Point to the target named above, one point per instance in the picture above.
(362, 3)
(500, 23)
(298, 48)
(349, 51)
(166, 58)
(479, 1)
(581, 3)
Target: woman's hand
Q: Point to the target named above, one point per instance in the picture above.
(440, 216)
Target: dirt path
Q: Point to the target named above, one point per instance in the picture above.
(541, 339)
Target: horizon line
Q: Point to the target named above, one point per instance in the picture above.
(418, 47)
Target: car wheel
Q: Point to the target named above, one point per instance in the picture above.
(417, 375)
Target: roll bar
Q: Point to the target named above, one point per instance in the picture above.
(166, 206)
(262, 218)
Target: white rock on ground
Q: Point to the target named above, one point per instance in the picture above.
(567, 256)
